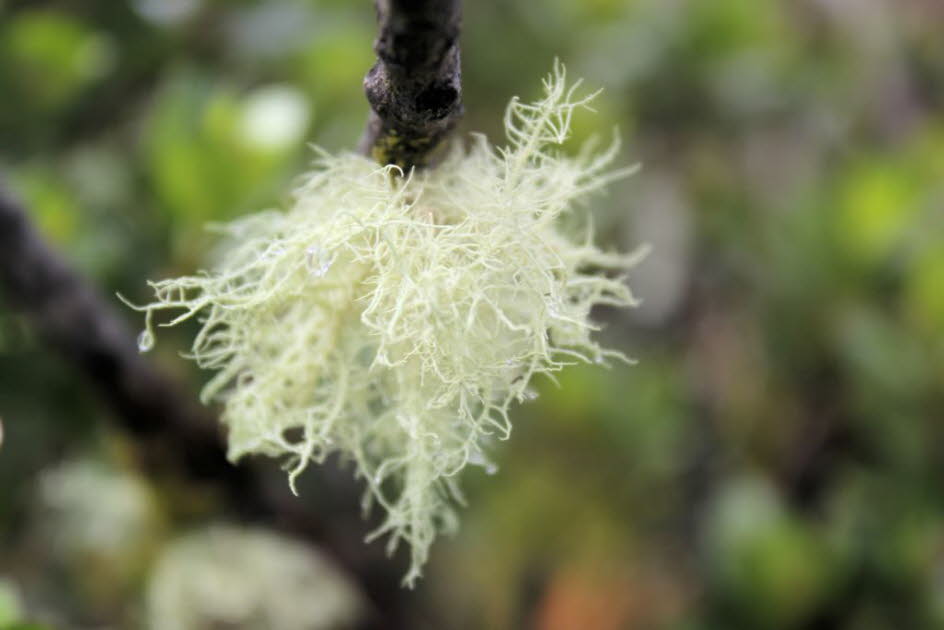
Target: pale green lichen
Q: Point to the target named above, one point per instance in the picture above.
(90, 510)
(395, 319)
(248, 579)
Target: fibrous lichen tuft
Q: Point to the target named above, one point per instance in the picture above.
(395, 318)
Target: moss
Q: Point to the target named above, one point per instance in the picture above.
(395, 319)
(393, 148)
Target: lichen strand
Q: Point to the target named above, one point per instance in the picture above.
(395, 319)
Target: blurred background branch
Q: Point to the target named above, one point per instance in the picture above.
(74, 320)
(174, 436)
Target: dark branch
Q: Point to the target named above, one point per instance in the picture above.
(174, 436)
(74, 319)
(414, 89)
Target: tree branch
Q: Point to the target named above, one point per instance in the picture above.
(414, 89)
(174, 436)
(74, 319)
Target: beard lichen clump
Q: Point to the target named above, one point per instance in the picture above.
(394, 319)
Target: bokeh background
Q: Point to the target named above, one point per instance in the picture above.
(774, 460)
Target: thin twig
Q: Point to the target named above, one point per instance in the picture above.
(415, 88)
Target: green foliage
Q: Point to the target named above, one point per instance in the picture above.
(48, 59)
(207, 153)
(10, 607)
(769, 565)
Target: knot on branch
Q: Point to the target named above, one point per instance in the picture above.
(414, 89)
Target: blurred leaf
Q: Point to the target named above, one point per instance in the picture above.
(51, 204)
(925, 291)
(203, 164)
(10, 607)
(333, 65)
(767, 562)
(48, 58)
(721, 26)
(85, 232)
(877, 204)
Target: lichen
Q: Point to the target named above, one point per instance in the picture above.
(224, 576)
(394, 318)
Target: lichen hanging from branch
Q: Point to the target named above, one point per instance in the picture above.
(394, 320)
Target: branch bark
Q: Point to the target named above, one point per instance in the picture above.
(415, 88)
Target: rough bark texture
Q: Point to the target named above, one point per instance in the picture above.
(414, 89)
